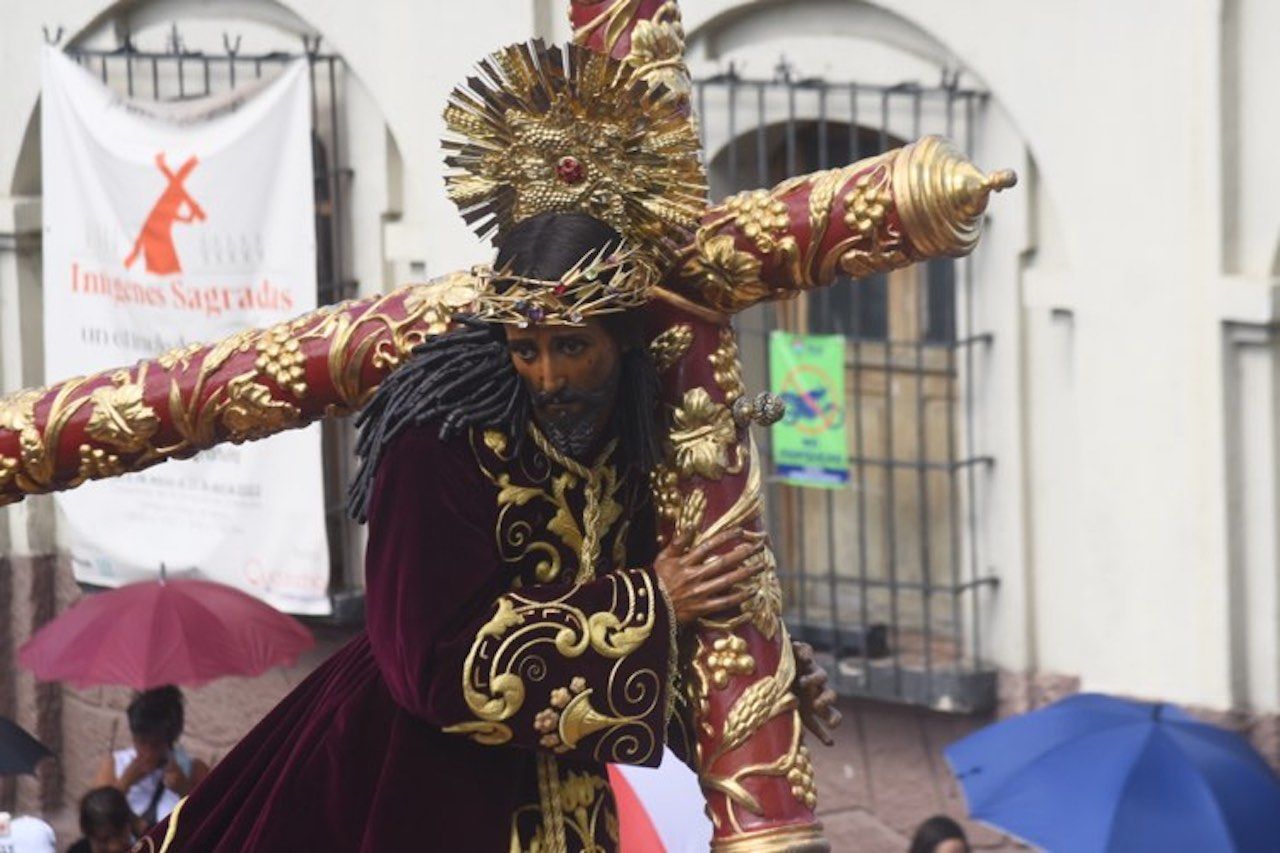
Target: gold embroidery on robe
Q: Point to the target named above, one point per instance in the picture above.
(580, 816)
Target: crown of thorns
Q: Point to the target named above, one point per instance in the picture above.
(601, 282)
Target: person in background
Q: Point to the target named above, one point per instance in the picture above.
(106, 822)
(939, 834)
(156, 772)
(25, 834)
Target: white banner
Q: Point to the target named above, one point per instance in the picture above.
(168, 224)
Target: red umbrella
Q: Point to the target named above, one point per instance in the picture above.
(179, 631)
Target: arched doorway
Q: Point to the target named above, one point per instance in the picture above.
(893, 578)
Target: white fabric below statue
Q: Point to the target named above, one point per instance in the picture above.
(673, 803)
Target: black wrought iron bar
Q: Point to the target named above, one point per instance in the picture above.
(953, 471)
(762, 125)
(824, 157)
(731, 90)
(971, 418)
(922, 447)
(858, 462)
(963, 586)
(833, 607)
(701, 93)
(783, 83)
(277, 56)
(919, 464)
(336, 196)
(891, 527)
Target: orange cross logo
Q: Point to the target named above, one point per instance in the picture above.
(155, 240)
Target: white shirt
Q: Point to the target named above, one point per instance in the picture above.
(139, 796)
(25, 835)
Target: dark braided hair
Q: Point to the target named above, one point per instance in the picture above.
(465, 378)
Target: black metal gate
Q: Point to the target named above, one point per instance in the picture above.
(883, 577)
(176, 74)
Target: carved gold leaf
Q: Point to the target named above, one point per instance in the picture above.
(657, 50)
(436, 302)
(764, 606)
(727, 278)
(121, 418)
(251, 412)
(17, 410)
(178, 355)
(239, 342)
(702, 434)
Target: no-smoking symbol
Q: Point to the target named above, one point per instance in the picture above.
(806, 391)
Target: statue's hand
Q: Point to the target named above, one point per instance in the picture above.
(818, 709)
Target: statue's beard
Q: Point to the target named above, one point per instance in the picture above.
(575, 433)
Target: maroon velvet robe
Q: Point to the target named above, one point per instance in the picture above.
(496, 677)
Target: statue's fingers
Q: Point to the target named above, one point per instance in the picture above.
(819, 731)
(723, 602)
(803, 652)
(706, 549)
(718, 582)
(814, 681)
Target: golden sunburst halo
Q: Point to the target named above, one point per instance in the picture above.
(567, 129)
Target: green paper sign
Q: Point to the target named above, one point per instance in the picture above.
(810, 447)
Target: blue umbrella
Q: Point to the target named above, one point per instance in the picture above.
(1095, 774)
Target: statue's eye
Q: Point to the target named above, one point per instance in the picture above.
(572, 346)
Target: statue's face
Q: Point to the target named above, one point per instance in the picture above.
(572, 376)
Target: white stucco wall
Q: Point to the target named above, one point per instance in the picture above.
(1146, 219)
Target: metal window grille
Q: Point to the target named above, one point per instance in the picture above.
(176, 74)
(882, 577)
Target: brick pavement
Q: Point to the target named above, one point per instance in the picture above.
(886, 774)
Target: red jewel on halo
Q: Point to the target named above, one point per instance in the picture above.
(560, 289)
(570, 170)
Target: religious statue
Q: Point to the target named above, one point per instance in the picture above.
(566, 565)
